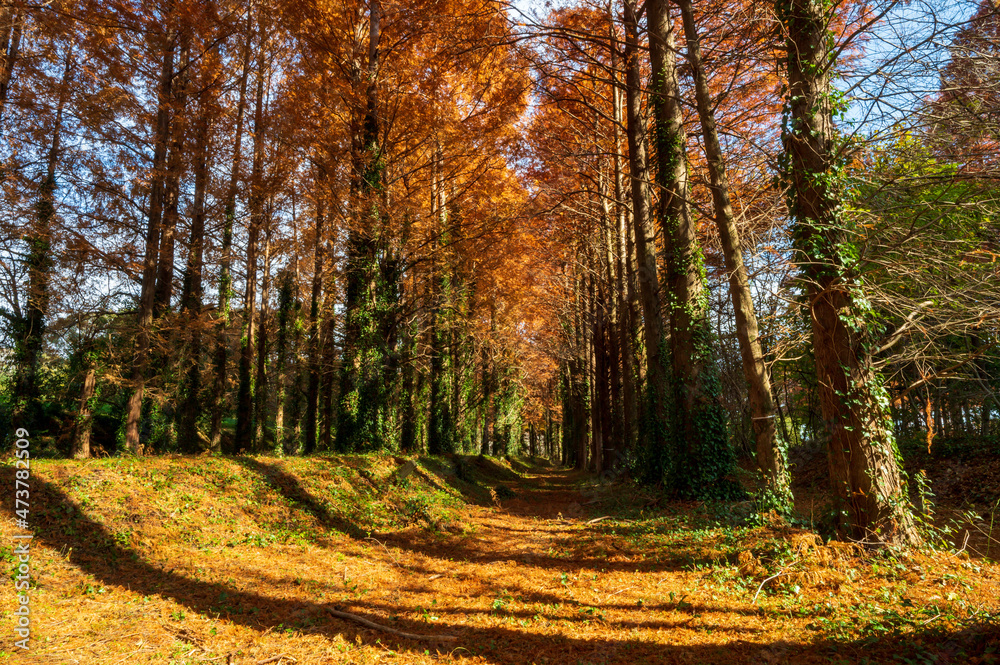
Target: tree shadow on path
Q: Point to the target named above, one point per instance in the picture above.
(64, 527)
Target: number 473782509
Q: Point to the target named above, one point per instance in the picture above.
(22, 474)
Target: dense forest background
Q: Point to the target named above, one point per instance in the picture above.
(652, 238)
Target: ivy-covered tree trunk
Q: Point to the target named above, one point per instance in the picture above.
(288, 306)
(261, 383)
(314, 346)
(369, 301)
(30, 328)
(864, 463)
(770, 455)
(701, 456)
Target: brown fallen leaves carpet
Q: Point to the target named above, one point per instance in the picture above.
(143, 572)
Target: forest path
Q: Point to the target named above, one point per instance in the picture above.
(203, 560)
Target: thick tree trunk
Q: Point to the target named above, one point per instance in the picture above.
(85, 415)
(702, 456)
(770, 455)
(863, 458)
(363, 409)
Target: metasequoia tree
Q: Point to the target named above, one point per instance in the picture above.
(864, 465)
(770, 454)
(699, 446)
(29, 329)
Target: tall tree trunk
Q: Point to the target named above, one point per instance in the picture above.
(655, 415)
(408, 435)
(191, 298)
(11, 29)
(286, 318)
(133, 410)
(624, 279)
(362, 421)
(771, 456)
(245, 416)
(328, 374)
(611, 400)
(595, 367)
(163, 291)
(263, 347)
(702, 456)
(863, 457)
(221, 360)
(30, 329)
(315, 348)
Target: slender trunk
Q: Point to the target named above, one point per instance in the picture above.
(286, 317)
(624, 281)
(191, 299)
(245, 416)
(263, 348)
(221, 360)
(12, 27)
(863, 457)
(595, 371)
(645, 248)
(315, 349)
(408, 435)
(579, 371)
(611, 401)
(30, 330)
(327, 385)
(487, 384)
(770, 455)
(133, 410)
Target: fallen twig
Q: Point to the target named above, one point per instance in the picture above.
(779, 574)
(377, 626)
(597, 519)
